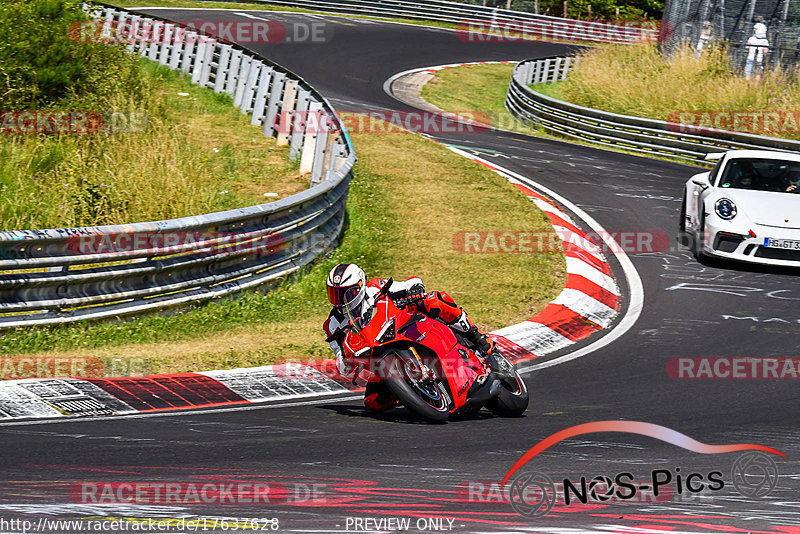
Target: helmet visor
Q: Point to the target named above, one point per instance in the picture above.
(341, 296)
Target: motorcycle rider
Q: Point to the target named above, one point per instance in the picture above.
(350, 294)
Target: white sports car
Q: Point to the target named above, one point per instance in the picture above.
(746, 208)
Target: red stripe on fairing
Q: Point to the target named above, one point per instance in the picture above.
(566, 322)
(512, 351)
(586, 286)
(579, 253)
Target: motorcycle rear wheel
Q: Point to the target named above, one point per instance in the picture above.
(410, 391)
(512, 401)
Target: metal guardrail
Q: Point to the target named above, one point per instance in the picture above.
(506, 20)
(636, 134)
(51, 279)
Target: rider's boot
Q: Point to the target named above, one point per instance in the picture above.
(472, 334)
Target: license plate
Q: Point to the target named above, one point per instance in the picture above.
(788, 244)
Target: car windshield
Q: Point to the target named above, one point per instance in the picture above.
(773, 175)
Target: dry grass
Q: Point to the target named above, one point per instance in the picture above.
(198, 155)
(407, 200)
(637, 80)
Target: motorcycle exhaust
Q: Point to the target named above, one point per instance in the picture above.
(486, 392)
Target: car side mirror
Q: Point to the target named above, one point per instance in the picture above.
(702, 181)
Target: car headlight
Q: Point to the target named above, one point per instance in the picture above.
(725, 208)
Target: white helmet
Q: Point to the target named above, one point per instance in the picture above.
(347, 286)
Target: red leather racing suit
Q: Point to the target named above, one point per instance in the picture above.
(435, 304)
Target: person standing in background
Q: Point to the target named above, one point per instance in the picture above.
(757, 48)
(705, 36)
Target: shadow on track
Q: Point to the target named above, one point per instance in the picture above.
(402, 415)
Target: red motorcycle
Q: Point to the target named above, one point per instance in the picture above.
(430, 369)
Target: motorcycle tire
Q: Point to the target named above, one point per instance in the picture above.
(403, 390)
(512, 401)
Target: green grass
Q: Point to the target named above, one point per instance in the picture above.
(198, 154)
(475, 88)
(407, 200)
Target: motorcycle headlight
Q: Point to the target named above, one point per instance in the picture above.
(725, 208)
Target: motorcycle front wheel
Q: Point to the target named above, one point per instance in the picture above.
(423, 396)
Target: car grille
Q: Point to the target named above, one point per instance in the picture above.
(726, 242)
(777, 254)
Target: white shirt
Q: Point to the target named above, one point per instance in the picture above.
(756, 45)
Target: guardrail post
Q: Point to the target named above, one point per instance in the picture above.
(538, 68)
(155, 35)
(327, 160)
(134, 30)
(310, 138)
(318, 164)
(222, 68)
(556, 70)
(205, 73)
(275, 94)
(166, 44)
(233, 72)
(298, 124)
(285, 120)
(189, 51)
(528, 72)
(199, 58)
(144, 32)
(566, 68)
(241, 80)
(256, 66)
(546, 71)
(261, 96)
(178, 40)
(107, 29)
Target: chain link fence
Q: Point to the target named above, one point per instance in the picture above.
(702, 23)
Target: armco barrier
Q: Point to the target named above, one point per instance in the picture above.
(636, 134)
(464, 14)
(50, 279)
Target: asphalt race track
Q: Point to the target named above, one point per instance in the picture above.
(395, 467)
